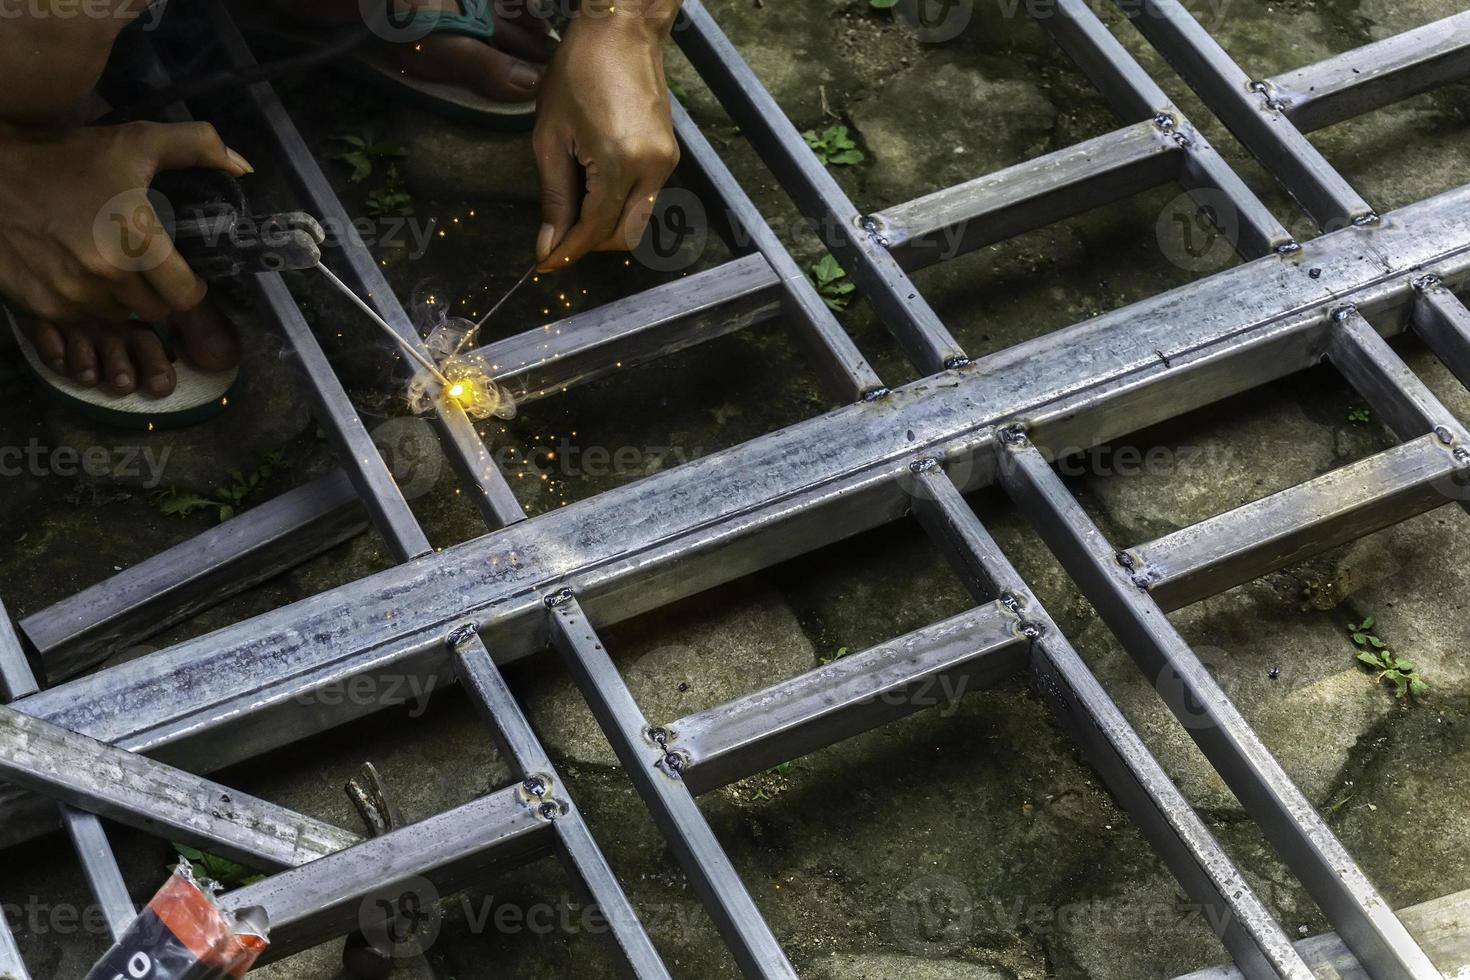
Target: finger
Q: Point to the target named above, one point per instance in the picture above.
(634, 220)
(181, 146)
(50, 345)
(208, 338)
(601, 210)
(561, 185)
(152, 362)
(134, 294)
(117, 364)
(176, 284)
(81, 356)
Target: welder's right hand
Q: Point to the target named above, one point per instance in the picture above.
(79, 236)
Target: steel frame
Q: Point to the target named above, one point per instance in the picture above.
(913, 450)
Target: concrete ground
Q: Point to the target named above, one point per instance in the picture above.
(968, 841)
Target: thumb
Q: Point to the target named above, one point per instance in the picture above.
(180, 146)
(560, 200)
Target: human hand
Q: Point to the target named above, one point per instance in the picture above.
(78, 234)
(604, 136)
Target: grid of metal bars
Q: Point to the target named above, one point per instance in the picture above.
(546, 581)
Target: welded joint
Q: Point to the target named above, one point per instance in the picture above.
(1269, 99)
(875, 394)
(1368, 219)
(560, 597)
(1013, 435)
(877, 232)
(461, 635)
(926, 465)
(1289, 247)
(956, 362)
(671, 762)
(537, 792)
(1134, 566)
(1170, 126)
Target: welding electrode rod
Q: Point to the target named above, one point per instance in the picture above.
(498, 304)
(404, 345)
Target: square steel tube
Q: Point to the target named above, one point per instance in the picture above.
(851, 239)
(1375, 75)
(1299, 834)
(1135, 97)
(1286, 528)
(236, 692)
(84, 629)
(1228, 903)
(356, 887)
(861, 691)
(1256, 119)
(656, 773)
(1443, 323)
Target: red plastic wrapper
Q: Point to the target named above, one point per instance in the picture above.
(183, 934)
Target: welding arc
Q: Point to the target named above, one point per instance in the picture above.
(403, 344)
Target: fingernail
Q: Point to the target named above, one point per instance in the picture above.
(545, 241)
(242, 164)
(219, 346)
(123, 382)
(524, 75)
(87, 377)
(158, 384)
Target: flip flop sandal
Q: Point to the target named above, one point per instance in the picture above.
(199, 395)
(378, 69)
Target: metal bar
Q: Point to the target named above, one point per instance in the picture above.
(82, 630)
(1375, 75)
(844, 230)
(377, 489)
(1439, 924)
(1286, 528)
(1404, 402)
(89, 839)
(1228, 903)
(637, 329)
(1295, 829)
(931, 666)
(1255, 118)
(481, 478)
(655, 773)
(1030, 195)
(150, 796)
(843, 369)
(351, 888)
(222, 698)
(1135, 96)
(1443, 322)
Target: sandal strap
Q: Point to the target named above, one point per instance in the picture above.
(474, 20)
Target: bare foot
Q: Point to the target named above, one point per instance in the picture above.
(125, 357)
(508, 68)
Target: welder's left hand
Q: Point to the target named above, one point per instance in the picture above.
(604, 135)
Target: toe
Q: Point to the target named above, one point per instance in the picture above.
(151, 360)
(480, 68)
(117, 365)
(81, 357)
(49, 344)
(208, 338)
